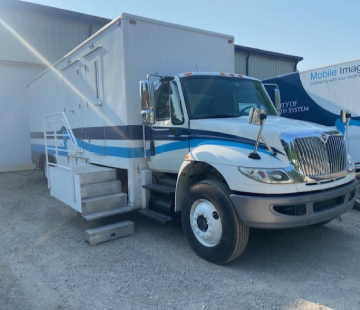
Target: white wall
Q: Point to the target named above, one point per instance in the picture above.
(14, 120)
(50, 33)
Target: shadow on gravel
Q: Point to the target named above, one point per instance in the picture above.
(305, 247)
(266, 249)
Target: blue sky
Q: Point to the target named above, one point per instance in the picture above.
(324, 32)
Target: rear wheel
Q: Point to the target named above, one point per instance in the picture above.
(211, 224)
(43, 166)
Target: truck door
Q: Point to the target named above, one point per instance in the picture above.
(94, 139)
(167, 141)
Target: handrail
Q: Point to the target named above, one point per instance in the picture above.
(52, 125)
(62, 118)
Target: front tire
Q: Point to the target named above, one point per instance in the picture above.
(211, 224)
(357, 201)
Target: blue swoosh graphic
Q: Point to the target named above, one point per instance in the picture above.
(138, 152)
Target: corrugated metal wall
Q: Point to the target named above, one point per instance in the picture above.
(263, 65)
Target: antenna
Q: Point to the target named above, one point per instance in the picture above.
(197, 70)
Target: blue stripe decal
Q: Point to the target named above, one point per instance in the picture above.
(133, 133)
(198, 142)
(138, 152)
(168, 147)
(124, 152)
(41, 149)
(197, 138)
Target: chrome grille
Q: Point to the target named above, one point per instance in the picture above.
(316, 158)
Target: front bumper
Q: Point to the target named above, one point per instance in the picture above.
(268, 212)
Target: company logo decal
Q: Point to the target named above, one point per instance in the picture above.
(324, 137)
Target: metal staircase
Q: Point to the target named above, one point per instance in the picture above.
(93, 191)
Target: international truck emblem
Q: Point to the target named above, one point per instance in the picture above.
(324, 137)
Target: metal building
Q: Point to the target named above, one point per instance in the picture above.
(35, 36)
(263, 64)
(32, 37)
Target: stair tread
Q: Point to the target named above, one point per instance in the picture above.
(106, 213)
(102, 182)
(100, 188)
(88, 168)
(97, 198)
(88, 174)
(160, 188)
(159, 217)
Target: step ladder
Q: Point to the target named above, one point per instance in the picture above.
(91, 190)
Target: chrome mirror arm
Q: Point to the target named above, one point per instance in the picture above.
(255, 154)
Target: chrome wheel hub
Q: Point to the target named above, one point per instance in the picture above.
(205, 222)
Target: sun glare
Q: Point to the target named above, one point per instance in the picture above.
(50, 66)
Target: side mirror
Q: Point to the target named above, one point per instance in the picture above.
(344, 116)
(274, 94)
(277, 99)
(258, 117)
(147, 94)
(255, 117)
(148, 117)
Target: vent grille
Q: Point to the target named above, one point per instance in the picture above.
(316, 158)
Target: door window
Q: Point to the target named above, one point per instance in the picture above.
(163, 102)
(168, 104)
(177, 115)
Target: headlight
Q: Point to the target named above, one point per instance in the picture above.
(351, 164)
(267, 175)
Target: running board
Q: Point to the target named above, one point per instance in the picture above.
(159, 188)
(156, 216)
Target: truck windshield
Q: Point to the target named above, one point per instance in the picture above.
(218, 96)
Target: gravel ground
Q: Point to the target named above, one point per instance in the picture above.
(45, 262)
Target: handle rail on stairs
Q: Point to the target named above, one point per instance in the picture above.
(60, 140)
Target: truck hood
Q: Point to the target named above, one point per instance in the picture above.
(239, 130)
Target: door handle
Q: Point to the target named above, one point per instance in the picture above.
(174, 131)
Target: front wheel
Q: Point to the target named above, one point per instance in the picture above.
(211, 224)
(357, 202)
